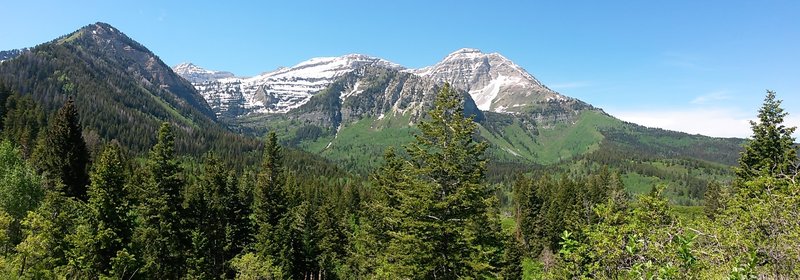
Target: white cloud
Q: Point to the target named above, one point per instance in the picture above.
(716, 122)
(712, 97)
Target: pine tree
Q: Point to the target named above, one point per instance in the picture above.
(22, 123)
(4, 94)
(529, 217)
(210, 206)
(771, 150)
(109, 207)
(62, 155)
(273, 234)
(713, 199)
(448, 227)
(160, 237)
(758, 225)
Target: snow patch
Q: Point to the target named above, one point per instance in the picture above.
(485, 96)
(355, 91)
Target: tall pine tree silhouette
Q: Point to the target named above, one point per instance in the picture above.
(61, 155)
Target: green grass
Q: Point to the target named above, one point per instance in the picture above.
(565, 141)
(72, 37)
(171, 110)
(361, 145)
(553, 144)
(508, 224)
(636, 183)
(531, 269)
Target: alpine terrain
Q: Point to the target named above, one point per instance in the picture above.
(351, 108)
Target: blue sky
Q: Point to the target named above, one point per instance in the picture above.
(695, 66)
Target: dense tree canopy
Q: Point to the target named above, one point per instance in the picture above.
(426, 213)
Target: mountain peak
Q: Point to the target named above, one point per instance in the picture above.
(197, 74)
(494, 82)
(466, 50)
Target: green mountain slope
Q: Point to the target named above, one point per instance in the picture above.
(122, 91)
(573, 139)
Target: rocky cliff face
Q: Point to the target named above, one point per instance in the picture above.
(377, 92)
(494, 82)
(281, 90)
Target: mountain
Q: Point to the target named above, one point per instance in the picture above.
(494, 82)
(352, 117)
(350, 108)
(9, 54)
(195, 74)
(281, 90)
(122, 90)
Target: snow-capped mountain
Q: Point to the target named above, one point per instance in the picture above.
(281, 90)
(494, 82)
(195, 74)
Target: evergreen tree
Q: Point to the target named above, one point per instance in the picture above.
(757, 229)
(22, 123)
(4, 94)
(771, 150)
(528, 215)
(160, 237)
(713, 199)
(272, 224)
(62, 155)
(210, 205)
(109, 207)
(447, 226)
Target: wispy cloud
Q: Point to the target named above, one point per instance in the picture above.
(569, 85)
(712, 97)
(716, 122)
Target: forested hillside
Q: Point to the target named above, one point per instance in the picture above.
(123, 86)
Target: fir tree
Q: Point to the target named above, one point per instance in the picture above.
(447, 226)
(713, 199)
(213, 230)
(4, 94)
(109, 206)
(22, 123)
(273, 236)
(62, 155)
(160, 237)
(771, 150)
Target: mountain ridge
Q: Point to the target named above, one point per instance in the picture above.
(122, 90)
(495, 83)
